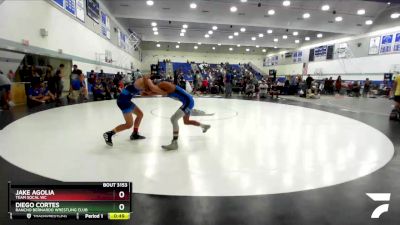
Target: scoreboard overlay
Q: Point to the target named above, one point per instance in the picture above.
(78, 201)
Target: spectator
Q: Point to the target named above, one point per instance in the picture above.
(99, 91)
(309, 81)
(228, 83)
(76, 87)
(263, 89)
(38, 94)
(92, 79)
(59, 82)
(356, 89)
(338, 84)
(51, 81)
(5, 92)
(396, 97)
(367, 87)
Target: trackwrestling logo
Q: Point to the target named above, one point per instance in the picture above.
(379, 197)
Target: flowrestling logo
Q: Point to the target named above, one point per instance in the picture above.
(380, 197)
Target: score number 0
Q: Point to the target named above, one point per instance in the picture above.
(121, 195)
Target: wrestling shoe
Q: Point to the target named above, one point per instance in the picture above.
(137, 137)
(205, 128)
(172, 146)
(108, 138)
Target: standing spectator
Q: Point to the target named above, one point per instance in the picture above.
(367, 87)
(396, 97)
(59, 82)
(51, 82)
(5, 92)
(77, 85)
(228, 83)
(91, 80)
(263, 89)
(338, 84)
(309, 81)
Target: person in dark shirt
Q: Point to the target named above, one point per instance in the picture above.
(309, 81)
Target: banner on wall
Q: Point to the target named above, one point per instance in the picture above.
(93, 10)
(374, 45)
(80, 10)
(342, 50)
(321, 51)
(70, 6)
(298, 57)
(386, 44)
(105, 25)
(396, 47)
(59, 3)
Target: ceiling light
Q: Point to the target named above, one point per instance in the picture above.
(369, 22)
(320, 35)
(295, 33)
(210, 32)
(264, 50)
(339, 19)
(150, 3)
(297, 41)
(183, 31)
(270, 31)
(395, 15)
(233, 9)
(193, 5)
(213, 48)
(199, 43)
(236, 33)
(155, 29)
(185, 26)
(253, 38)
(247, 50)
(153, 24)
(260, 35)
(215, 28)
(230, 37)
(361, 11)
(325, 7)
(219, 44)
(284, 36)
(286, 3)
(156, 33)
(158, 45)
(177, 46)
(179, 42)
(238, 46)
(257, 46)
(242, 29)
(307, 38)
(243, 1)
(306, 15)
(206, 36)
(230, 49)
(275, 47)
(196, 47)
(276, 39)
(271, 12)
(182, 34)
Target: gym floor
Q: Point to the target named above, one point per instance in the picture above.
(262, 162)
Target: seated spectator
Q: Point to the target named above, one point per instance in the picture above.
(38, 94)
(204, 86)
(356, 89)
(263, 89)
(250, 89)
(99, 91)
